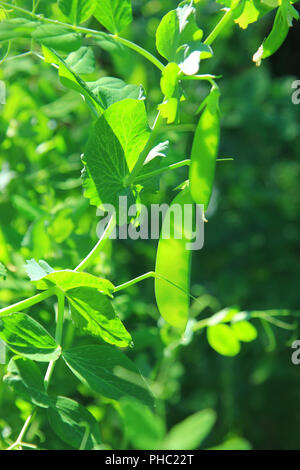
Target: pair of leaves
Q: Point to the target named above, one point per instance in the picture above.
(92, 310)
(225, 339)
(172, 285)
(178, 39)
(99, 94)
(145, 430)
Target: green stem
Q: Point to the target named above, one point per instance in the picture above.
(134, 281)
(174, 166)
(222, 23)
(22, 432)
(97, 248)
(28, 302)
(139, 50)
(91, 32)
(162, 170)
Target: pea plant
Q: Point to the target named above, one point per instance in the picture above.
(124, 158)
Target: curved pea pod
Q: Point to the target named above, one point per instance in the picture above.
(283, 20)
(173, 262)
(204, 151)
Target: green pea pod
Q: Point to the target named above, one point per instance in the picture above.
(283, 20)
(173, 261)
(205, 150)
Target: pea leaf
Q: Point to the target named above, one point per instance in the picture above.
(25, 378)
(178, 39)
(27, 337)
(244, 331)
(107, 371)
(190, 433)
(57, 37)
(93, 313)
(82, 61)
(223, 340)
(109, 90)
(113, 150)
(70, 421)
(177, 27)
(114, 15)
(16, 28)
(172, 291)
(67, 280)
(71, 80)
(143, 428)
(205, 151)
(77, 11)
(38, 270)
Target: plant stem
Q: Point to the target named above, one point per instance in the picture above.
(28, 302)
(222, 23)
(22, 432)
(162, 170)
(97, 248)
(135, 280)
(139, 50)
(91, 32)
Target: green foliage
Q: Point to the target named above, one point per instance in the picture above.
(45, 127)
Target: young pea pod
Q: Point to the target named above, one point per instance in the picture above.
(204, 151)
(283, 20)
(173, 261)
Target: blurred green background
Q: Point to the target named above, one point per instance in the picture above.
(251, 256)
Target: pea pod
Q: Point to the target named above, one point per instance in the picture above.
(283, 20)
(173, 267)
(205, 150)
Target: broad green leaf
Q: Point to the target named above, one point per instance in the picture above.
(4, 50)
(177, 27)
(112, 152)
(77, 11)
(67, 280)
(223, 340)
(25, 378)
(3, 271)
(27, 337)
(71, 421)
(57, 37)
(107, 371)
(93, 313)
(143, 428)
(190, 433)
(82, 61)
(38, 270)
(244, 331)
(16, 28)
(172, 291)
(205, 150)
(109, 90)
(114, 15)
